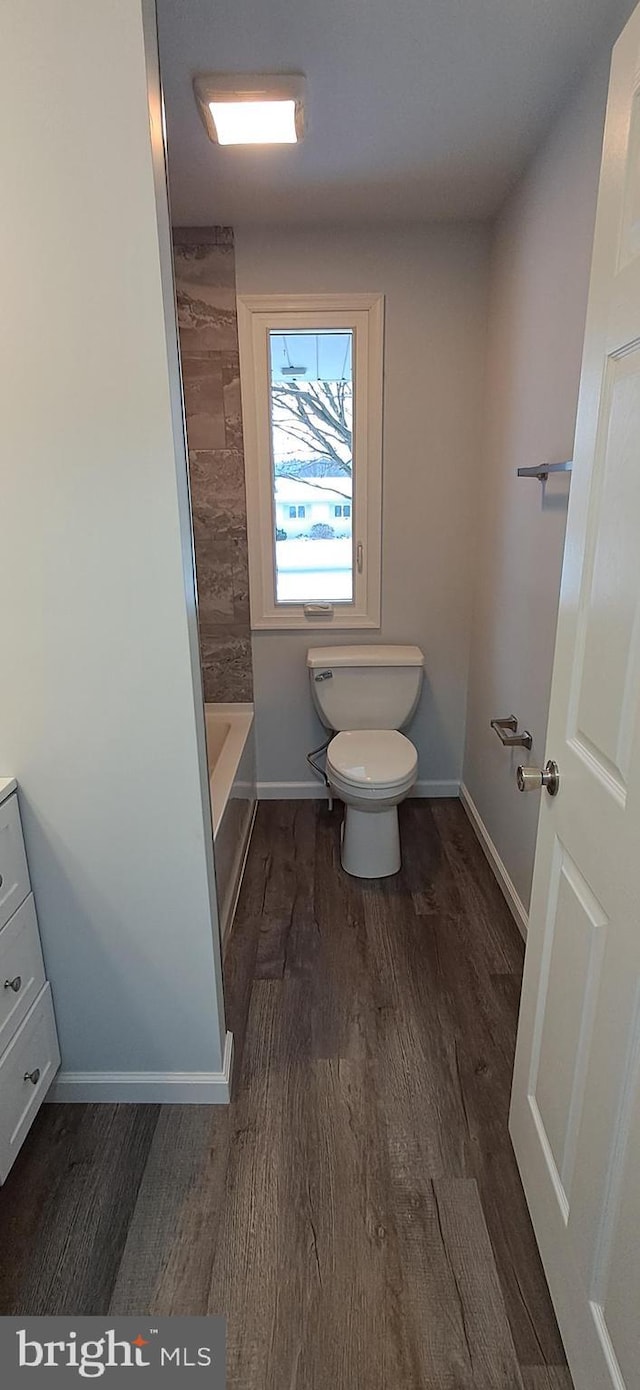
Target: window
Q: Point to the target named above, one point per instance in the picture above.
(312, 409)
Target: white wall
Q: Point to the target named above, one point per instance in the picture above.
(100, 702)
(539, 282)
(434, 282)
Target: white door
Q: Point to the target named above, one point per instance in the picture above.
(575, 1115)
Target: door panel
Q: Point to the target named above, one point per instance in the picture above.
(576, 928)
(606, 709)
(630, 234)
(575, 1112)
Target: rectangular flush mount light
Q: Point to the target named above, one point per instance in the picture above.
(251, 110)
(254, 122)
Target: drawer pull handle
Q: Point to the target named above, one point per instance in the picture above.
(33, 1076)
(1, 880)
(14, 984)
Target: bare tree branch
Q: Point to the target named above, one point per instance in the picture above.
(323, 399)
(312, 482)
(317, 414)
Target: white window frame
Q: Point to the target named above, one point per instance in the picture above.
(258, 315)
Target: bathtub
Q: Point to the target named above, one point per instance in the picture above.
(232, 784)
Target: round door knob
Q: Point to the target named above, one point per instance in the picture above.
(33, 1076)
(14, 984)
(531, 779)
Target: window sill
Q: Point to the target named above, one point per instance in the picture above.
(278, 622)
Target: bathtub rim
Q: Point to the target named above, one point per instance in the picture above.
(240, 716)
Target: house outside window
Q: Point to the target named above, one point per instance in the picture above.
(312, 406)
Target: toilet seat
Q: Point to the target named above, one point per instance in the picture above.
(372, 761)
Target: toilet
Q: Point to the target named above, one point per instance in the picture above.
(366, 694)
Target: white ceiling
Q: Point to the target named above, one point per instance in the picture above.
(416, 109)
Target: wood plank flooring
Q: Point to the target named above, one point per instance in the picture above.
(356, 1213)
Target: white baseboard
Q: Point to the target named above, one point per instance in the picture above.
(308, 791)
(514, 901)
(443, 787)
(148, 1087)
(291, 791)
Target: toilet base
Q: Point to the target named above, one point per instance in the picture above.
(370, 842)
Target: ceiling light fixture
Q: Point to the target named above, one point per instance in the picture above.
(251, 110)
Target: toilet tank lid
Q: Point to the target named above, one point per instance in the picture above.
(380, 655)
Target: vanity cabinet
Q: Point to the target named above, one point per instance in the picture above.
(29, 1052)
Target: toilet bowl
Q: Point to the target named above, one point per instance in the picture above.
(372, 771)
(365, 695)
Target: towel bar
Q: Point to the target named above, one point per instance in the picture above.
(511, 739)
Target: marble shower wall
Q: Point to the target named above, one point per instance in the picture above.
(208, 326)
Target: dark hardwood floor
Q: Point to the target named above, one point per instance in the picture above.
(356, 1213)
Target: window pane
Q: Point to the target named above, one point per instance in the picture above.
(311, 434)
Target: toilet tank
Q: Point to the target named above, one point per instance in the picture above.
(368, 687)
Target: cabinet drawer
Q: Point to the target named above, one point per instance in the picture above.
(21, 969)
(27, 1068)
(14, 874)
